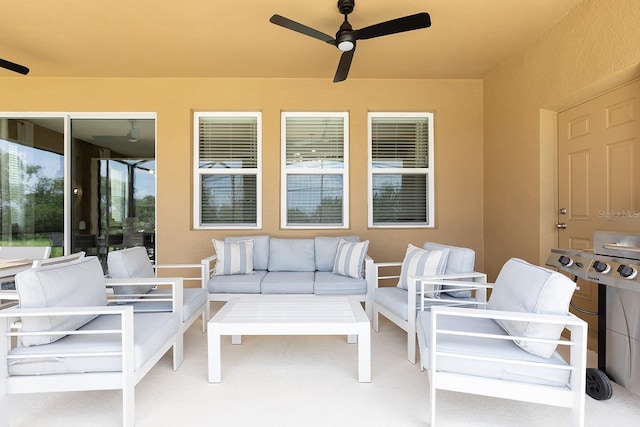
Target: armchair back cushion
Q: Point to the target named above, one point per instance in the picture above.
(291, 255)
(260, 249)
(527, 288)
(460, 260)
(127, 263)
(75, 284)
(421, 262)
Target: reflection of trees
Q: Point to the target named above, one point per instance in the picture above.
(386, 204)
(329, 211)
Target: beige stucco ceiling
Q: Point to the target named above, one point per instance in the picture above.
(213, 38)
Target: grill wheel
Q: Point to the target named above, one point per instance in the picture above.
(598, 384)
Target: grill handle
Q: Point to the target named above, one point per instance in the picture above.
(618, 247)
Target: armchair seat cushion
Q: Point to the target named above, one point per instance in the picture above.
(151, 332)
(486, 347)
(236, 284)
(393, 299)
(327, 283)
(288, 282)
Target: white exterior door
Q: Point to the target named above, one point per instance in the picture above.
(598, 176)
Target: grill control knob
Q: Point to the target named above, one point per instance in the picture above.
(601, 267)
(565, 261)
(627, 272)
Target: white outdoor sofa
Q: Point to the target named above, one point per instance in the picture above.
(509, 350)
(66, 336)
(259, 265)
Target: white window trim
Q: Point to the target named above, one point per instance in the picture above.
(284, 171)
(429, 171)
(198, 172)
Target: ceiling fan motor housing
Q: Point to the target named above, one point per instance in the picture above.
(346, 6)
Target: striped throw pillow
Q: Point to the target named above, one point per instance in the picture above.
(233, 257)
(421, 262)
(350, 258)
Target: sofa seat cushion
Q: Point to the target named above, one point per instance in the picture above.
(192, 301)
(151, 332)
(75, 284)
(290, 282)
(486, 347)
(236, 284)
(334, 284)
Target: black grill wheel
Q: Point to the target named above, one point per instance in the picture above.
(598, 385)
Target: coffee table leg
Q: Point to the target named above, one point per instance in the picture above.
(364, 356)
(213, 341)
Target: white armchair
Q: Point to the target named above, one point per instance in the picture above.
(135, 263)
(509, 350)
(435, 275)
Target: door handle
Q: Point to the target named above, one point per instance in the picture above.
(561, 225)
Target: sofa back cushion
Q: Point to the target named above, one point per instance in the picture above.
(233, 257)
(130, 263)
(527, 288)
(74, 284)
(326, 248)
(460, 260)
(260, 249)
(291, 255)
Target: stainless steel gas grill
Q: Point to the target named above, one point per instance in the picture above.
(613, 263)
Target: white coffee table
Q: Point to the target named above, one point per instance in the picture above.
(290, 315)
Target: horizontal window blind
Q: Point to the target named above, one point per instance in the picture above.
(400, 142)
(314, 199)
(316, 142)
(229, 199)
(400, 199)
(228, 142)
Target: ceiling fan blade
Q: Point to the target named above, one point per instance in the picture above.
(399, 25)
(14, 67)
(344, 65)
(302, 29)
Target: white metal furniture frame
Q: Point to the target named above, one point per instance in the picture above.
(418, 298)
(572, 396)
(290, 315)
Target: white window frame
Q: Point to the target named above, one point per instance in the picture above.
(429, 171)
(286, 171)
(200, 172)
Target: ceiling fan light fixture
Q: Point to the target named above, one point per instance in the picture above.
(346, 38)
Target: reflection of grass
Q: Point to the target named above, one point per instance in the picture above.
(33, 242)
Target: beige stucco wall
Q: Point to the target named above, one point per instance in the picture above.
(457, 105)
(594, 48)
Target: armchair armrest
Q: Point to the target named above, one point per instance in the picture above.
(200, 268)
(175, 296)
(461, 282)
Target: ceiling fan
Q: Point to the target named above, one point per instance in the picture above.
(346, 36)
(12, 66)
(132, 136)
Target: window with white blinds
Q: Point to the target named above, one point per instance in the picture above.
(228, 170)
(401, 170)
(315, 180)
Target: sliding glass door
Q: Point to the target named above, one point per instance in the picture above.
(78, 181)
